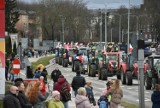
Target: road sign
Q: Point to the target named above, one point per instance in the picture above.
(16, 66)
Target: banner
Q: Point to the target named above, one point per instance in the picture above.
(1, 4)
(2, 24)
(2, 66)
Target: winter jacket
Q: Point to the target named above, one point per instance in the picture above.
(11, 101)
(82, 101)
(23, 100)
(155, 97)
(43, 90)
(116, 96)
(39, 101)
(55, 104)
(60, 83)
(55, 75)
(44, 74)
(78, 81)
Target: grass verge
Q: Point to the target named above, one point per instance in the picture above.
(44, 61)
(128, 105)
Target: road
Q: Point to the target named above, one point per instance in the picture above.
(130, 92)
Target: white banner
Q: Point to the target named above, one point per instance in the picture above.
(36, 43)
(24, 42)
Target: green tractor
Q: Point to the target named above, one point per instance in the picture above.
(152, 75)
(94, 56)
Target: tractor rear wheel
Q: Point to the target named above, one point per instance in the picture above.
(104, 74)
(93, 70)
(65, 62)
(148, 82)
(129, 79)
(123, 76)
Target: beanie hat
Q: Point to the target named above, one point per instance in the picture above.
(55, 93)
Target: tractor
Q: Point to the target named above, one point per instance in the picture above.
(80, 60)
(94, 56)
(67, 57)
(109, 65)
(152, 75)
(59, 55)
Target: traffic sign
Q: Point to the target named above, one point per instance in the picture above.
(16, 66)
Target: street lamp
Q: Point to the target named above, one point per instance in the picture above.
(62, 20)
(128, 27)
(105, 26)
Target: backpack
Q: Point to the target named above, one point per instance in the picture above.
(65, 93)
(103, 104)
(37, 74)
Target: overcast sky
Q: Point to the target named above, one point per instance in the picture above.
(96, 4)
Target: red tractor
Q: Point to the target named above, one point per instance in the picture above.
(129, 69)
(109, 66)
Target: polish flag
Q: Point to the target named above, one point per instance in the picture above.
(130, 48)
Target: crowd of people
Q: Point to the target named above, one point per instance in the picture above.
(35, 94)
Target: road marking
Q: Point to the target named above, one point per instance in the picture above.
(146, 100)
(129, 88)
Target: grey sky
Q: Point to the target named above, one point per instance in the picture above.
(96, 4)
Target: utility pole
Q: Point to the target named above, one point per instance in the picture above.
(62, 18)
(120, 28)
(128, 27)
(100, 27)
(105, 26)
(111, 34)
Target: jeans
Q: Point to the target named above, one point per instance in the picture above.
(65, 104)
(11, 77)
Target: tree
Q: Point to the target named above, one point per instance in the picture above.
(15, 48)
(11, 16)
(8, 45)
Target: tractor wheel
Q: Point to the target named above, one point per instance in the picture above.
(104, 74)
(81, 68)
(73, 66)
(56, 59)
(76, 65)
(88, 70)
(119, 75)
(65, 62)
(123, 76)
(60, 61)
(129, 79)
(99, 74)
(148, 82)
(93, 70)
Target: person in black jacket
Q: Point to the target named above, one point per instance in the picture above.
(21, 96)
(155, 97)
(55, 75)
(77, 82)
(11, 100)
(44, 74)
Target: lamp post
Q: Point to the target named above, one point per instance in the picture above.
(128, 27)
(100, 24)
(105, 26)
(62, 20)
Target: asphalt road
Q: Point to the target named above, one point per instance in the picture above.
(131, 93)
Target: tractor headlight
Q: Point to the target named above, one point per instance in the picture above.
(112, 65)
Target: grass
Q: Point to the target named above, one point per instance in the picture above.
(44, 61)
(128, 105)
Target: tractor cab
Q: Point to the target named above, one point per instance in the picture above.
(152, 75)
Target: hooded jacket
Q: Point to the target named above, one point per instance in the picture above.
(60, 83)
(82, 101)
(55, 104)
(155, 97)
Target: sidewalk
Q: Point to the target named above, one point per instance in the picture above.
(72, 102)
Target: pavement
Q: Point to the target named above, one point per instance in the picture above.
(72, 102)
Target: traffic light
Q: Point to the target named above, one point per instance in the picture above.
(147, 51)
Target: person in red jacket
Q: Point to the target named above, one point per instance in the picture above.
(60, 83)
(43, 90)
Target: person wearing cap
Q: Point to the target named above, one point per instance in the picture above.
(55, 101)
